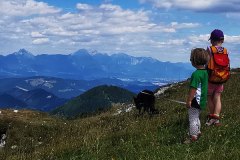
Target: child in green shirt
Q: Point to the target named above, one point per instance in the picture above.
(197, 97)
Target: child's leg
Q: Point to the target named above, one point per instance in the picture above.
(199, 124)
(211, 90)
(211, 108)
(215, 106)
(217, 103)
(214, 103)
(194, 121)
(210, 104)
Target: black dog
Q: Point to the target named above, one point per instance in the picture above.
(146, 100)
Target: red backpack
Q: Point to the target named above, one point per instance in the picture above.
(219, 65)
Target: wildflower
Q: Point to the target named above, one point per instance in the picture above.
(14, 147)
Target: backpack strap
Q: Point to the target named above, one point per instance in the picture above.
(209, 49)
(210, 65)
(220, 50)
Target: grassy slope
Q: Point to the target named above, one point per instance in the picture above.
(126, 136)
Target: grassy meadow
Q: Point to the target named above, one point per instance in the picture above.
(38, 136)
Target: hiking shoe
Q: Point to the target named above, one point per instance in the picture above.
(208, 119)
(191, 139)
(211, 122)
(212, 119)
(217, 123)
(199, 135)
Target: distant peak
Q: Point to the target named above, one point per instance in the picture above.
(120, 55)
(23, 52)
(81, 52)
(93, 52)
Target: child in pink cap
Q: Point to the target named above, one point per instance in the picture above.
(215, 89)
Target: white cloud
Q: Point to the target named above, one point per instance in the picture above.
(95, 23)
(66, 16)
(194, 5)
(40, 41)
(25, 8)
(59, 31)
(168, 30)
(198, 38)
(110, 7)
(204, 37)
(198, 5)
(184, 25)
(233, 15)
(232, 39)
(176, 42)
(37, 35)
(81, 6)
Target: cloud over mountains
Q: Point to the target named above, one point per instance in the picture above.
(38, 23)
(110, 28)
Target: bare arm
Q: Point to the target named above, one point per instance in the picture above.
(190, 97)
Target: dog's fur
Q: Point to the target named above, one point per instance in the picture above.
(145, 100)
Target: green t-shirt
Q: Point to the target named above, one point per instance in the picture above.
(199, 80)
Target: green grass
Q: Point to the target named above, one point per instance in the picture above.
(126, 136)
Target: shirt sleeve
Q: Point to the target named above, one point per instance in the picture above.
(194, 81)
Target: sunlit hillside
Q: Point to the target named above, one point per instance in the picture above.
(125, 135)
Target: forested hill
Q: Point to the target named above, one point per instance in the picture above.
(96, 99)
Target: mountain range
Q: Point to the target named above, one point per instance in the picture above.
(47, 93)
(44, 82)
(67, 89)
(87, 65)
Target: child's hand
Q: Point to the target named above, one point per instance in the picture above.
(188, 104)
(191, 94)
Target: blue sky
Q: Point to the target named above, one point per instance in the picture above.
(163, 29)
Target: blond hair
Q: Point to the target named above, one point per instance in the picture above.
(199, 56)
